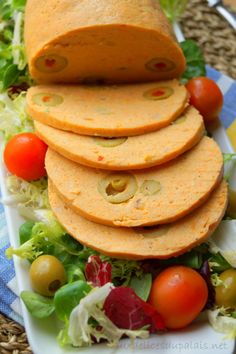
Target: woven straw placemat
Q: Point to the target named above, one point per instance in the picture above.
(218, 42)
(214, 35)
(12, 337)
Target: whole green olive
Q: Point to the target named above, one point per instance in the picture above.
(231, 211)
(226, 292)
(47, 275)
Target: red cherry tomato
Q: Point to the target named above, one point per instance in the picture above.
(24, 156)
(178, 294)
(206, 97)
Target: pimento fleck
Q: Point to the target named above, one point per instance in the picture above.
(50, 63)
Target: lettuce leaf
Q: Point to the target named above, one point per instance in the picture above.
(223, 241)
(39, 306)
(30, 198)
(44, 234)
(123, 270)
(173, 9)
(13, 68)
(223, 324)
(229, 164)
(82, 331)
(13, 116)
(47, 236)
(195, 63)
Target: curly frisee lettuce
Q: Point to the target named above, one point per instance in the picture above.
(81, 331)
(30, 198)
(13, 116)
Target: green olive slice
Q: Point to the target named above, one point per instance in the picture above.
(160, 65)
(152, 231)
(51, 63)
(150, 187)
(109, 142)
(117, 188)
(158, 93)
(47, 99)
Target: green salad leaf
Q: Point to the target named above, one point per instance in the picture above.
(218, 263)
(8, 7)
(123, 270)
(13, 68)
(68, 297)
(173, 9)
(193, 259)
(195, 63)
(25, 231)
(141, 286)
(229, 164)
(10, 76)
(39, 306)
(46, 236)
(227, 157)
(74, 272)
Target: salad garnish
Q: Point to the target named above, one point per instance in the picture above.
(13, 65)
(194, 60)
(173, 8)
(81, 332)
(13, 117)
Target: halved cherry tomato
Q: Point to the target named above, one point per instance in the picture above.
(178, 294)
(206, 97)
(24, 156)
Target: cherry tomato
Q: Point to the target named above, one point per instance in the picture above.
(24, 156)
(206, 97)
(178, 294)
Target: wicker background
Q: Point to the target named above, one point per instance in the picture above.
(218, 41)
(215, 36)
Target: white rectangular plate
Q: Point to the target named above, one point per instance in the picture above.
(195, 339)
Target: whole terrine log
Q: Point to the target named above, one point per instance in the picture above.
(104, 41)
